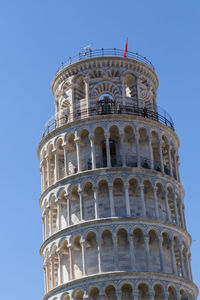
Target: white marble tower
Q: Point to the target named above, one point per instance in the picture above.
(112, 202)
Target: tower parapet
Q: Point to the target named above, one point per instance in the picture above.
(112, 202)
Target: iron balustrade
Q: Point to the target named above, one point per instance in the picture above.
(57, 121)
(89, 53)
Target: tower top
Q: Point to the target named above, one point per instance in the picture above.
(109, 52)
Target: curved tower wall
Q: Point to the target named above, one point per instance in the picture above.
(112, 203)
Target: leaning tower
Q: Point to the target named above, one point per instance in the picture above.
(112, 202)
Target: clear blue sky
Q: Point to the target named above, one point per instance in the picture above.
(35, 37)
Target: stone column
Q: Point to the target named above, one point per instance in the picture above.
(161, 157)
(45, 277)
(189, 258)
(167, 206)
(119, 294)
(122, 150)
(65, 160)
(48, 276)
(182, 214)
(170, 161)
(107, 137)
(137, 137)
(60, 257)
(93, 157)
(142, 200)
(151, 295)
(56, 163)
(181, 259)
(52, 273)
(151, 154)
(80, 192)
(72, 115)
(46, 224)
(58, 202)
(115, 250)
(146, 240)
(43, 226)
(43, 177)
(128, 211)
(96, 205)
(173, 259)
(186, 252)
(123, 91)
(71, 263)
(175, 210)
(135, 295)
(82, 242)
(48, 172)
(166, 295)
(68, 210)
(87, 94)
(155, 202)
(112, 208)
(160, 241)
(99, 252)
(76, 140)
(50, 220)
(132, 255)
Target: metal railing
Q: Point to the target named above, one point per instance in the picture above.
(89, 53)
(57, 121)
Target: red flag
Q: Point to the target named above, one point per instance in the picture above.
(125, 50)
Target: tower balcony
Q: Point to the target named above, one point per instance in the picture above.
(105, 109)
(111, 52)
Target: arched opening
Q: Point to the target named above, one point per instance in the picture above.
(166, 245)
(131, 89)
(177, 256)
(106, 104)
(139, 250)
(165, 153)
(51, 158)
(79, 295)
(110, 293)
(77, 256)
(143, 292)
(63, 209)
(91, 254)
(149, 199)
(54, 215)
(127, 292)
(85, 151)
(154, 256)
(103, 200)
(134, 198)
(94, 294)
(156, 151)
(144, 148)
(172, 293)
(170, 197)
(79, 97)
(123, 250)
(101, 160)
(75, 206)
(119, 198)
(159, 293)
(130, 147)
(161, 202)
(65, 263)
(183, 295)
(115, 147)
(71, 155)
(88, 202)
(107, 252)
(60, 159)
